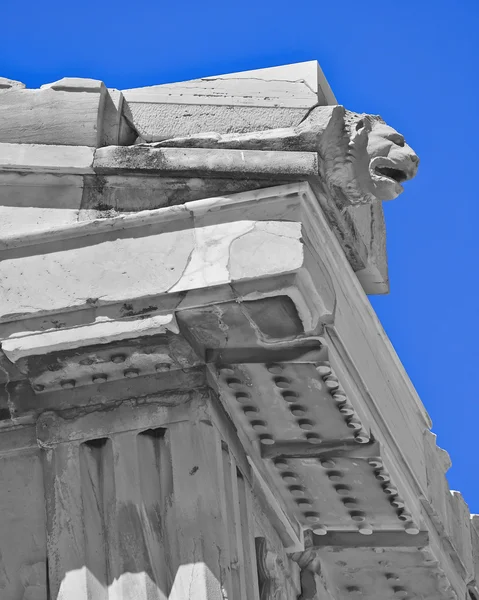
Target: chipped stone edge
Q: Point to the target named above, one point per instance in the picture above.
(45, 158)
(103, 331)
(282, 522)
(188, 210)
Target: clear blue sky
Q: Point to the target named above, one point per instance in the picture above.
(415, 62)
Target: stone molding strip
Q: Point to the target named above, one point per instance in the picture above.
(103, 331)
(46, 158)
(242, 165)
(198, 209)
(144, 159)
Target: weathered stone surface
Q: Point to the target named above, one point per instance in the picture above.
(38, 202)
(22, 527)
(150, 160)
(173, 255)
(162, 387)
(49, 117)
(261, 99)
(106, 331)
(369, 223)
(71, 111)
(132, 485)
(195, 260)
(474, 584)
(72, 286)
(380, 573)
(38, 158)
(359, 229)
(75, 84)
(197, 401)
(111, 195)
(6, 84)
(361, 157)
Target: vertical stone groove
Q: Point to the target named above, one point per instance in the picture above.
(247, 535)
(234, 559)
(156, 483)
(95, 459)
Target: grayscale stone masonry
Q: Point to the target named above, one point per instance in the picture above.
(197, 400)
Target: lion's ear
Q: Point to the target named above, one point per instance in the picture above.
(359, 124)
(364, 123)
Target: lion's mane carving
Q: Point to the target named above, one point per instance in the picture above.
(378, 160)
(361, 158)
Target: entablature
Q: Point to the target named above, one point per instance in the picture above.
(184, 274)
(288, 346)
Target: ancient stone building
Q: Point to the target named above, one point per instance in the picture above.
(197, 400)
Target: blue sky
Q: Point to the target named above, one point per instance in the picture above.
(415, 62)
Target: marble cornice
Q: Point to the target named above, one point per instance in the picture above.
(245, 170)
(165, 266)
(317, 372)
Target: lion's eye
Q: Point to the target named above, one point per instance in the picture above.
(397, 138)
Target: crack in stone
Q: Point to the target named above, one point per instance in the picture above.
(241, 235)
(192, 570)
(303, 81)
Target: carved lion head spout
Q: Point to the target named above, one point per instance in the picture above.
(361, 159)
(381, 159)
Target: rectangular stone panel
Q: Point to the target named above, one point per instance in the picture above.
(246, 101)
(171, 261)
(32, 202)
(123, 519)
(23, 546)
(49, 117)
